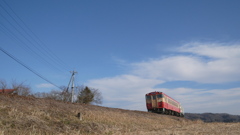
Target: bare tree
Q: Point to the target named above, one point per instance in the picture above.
(21, 89)
(83, 95)
(54, 94)
(97, 96)
(62, 95)
(65, 94)
(3, 84)
(38, 94)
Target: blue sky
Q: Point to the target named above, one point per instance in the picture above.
(188, 49)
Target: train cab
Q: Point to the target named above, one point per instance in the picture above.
(155, 101)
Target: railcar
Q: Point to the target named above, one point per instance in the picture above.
(159, 102)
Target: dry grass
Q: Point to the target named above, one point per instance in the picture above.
(21, 115)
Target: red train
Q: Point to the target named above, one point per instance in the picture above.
(159, 102)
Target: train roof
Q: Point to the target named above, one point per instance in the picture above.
(158, 92)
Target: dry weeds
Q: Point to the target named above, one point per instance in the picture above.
(31, 116)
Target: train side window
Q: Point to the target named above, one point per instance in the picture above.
(160, 96)
(148, 97)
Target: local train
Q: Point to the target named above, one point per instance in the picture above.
(159, 102)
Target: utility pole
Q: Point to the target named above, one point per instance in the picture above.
(72, 87)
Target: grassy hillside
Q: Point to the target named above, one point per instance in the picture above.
(28, 115)
(213, 117)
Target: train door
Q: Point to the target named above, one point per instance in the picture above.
(166, 105)
(154, 101)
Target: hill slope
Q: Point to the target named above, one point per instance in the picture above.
(213, 117)
(27, 115)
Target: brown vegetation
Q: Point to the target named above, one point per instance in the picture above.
(29, 115)
(213, 117)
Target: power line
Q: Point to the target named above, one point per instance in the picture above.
(40, 46)
(27, 67)
(27, 46)
(45, 48)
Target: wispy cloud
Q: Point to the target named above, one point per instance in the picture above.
(223, 67)
(198, 62)
(215, 100)
(45, 85)
(125, 85)
(214, 50)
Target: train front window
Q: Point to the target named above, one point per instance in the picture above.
(154, 97)
(160, 96)
(148, 97)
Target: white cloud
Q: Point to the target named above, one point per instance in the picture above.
(170, 69)
(221, 66)
(127, 85)
(216, 100)
(213, 50)
(45, 85)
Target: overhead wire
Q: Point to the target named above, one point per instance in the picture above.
(26, 46)
(8, 33)
(45, 48)
(32, 42)
(24, 43)
(27, 67)
(29, 38)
